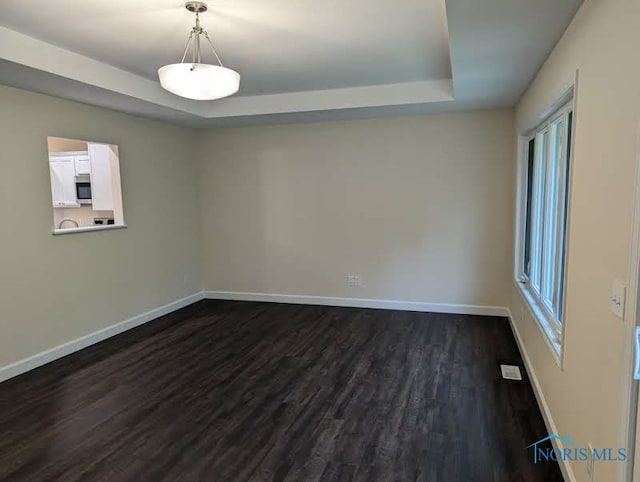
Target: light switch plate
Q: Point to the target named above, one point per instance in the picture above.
(618, 298)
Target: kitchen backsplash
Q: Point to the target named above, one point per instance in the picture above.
(84, 215)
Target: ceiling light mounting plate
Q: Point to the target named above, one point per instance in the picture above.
(196, 7)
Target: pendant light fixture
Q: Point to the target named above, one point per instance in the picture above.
(195, 80)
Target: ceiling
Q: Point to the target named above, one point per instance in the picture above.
(299, 59)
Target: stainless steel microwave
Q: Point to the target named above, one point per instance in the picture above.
(83, 191)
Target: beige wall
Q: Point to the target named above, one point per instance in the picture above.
(58, 144)
(419, 207)
(587, 399)
(57, 288)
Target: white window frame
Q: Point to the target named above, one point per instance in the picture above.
(543, 309)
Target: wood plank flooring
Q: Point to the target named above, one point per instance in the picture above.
(244, 391)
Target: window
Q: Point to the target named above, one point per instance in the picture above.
(544, 227)
(86, 193)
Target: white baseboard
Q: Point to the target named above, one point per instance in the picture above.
(42, 358)
(565, 467)
(360, 303)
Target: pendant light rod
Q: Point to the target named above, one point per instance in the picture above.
(197, 30)
(206, 35)
(194, 36)
(186, 48)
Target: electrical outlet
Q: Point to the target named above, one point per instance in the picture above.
(590, 462)
(618, 298)
(353, 280)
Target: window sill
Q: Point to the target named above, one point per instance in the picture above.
(547, 326)
(88, 229)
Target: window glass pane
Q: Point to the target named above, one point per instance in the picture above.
(537, 210)
(528, 208)
(565, 209)
(552, 213)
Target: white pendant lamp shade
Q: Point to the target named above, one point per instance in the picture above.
(193, 79)
(199, 81)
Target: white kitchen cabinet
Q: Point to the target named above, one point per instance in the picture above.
(63, 181)
(101, 177)
(83, 165)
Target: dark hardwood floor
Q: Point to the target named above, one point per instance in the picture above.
(243, 391)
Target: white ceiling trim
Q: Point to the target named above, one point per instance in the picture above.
(430, 91)
(24, 50)
(29, 52)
